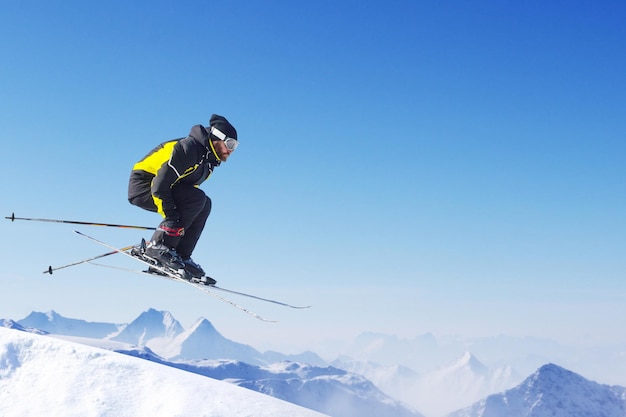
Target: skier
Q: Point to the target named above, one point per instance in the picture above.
(166, 181)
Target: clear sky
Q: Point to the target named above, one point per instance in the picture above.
(405, 166)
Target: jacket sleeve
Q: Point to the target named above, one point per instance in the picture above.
(178, 166)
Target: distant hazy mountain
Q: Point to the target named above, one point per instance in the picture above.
(461, 383)
(448, 388)
(54, 323)
(149, 325)
(419, 353)
(391, 379)
(426, 353)
(309, 357)
(203, 341)
(552, 392)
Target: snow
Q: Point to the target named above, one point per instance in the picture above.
(552, 391)
(157, 337)
(66, 373)
(42, 375)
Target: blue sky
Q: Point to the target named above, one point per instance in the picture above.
(405, 166)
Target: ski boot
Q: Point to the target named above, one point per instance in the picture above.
(193, 268)
(195, 273)
(164, 256)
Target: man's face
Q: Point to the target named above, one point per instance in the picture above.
(222, 152)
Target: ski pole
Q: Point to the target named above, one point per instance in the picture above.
(50, 269)
(13, 218)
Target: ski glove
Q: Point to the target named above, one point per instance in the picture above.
(171, 227)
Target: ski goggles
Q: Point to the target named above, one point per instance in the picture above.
(231, 143)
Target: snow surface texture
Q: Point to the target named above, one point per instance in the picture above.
(44, 376)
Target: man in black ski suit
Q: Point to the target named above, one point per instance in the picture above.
(166, 181)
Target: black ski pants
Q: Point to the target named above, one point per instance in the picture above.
(193, 207)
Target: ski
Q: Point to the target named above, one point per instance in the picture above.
(214, 287)
(175, 277)
(243, 294)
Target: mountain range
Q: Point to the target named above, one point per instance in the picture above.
(464, 387)
(156, 336)
(162, 333)
(448, 388)
(509, 359)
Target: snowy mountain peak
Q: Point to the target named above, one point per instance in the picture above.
(203, 341)
(462, 382)
(39, 317)
(550, 375)
(52, 315)
(469, 361)
(206, 327)
(150, 324)
(157, 317)
(466, 364)
(555, 392)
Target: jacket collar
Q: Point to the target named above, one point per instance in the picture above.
(201, 135)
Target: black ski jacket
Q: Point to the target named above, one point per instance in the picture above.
(189, 160)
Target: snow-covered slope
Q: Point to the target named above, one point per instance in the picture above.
(10, 324)
(45, 376)
(330, 390)
(201, 349)
(552, 392)
(326, 389)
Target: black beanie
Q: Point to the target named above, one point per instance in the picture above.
(223, 125)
